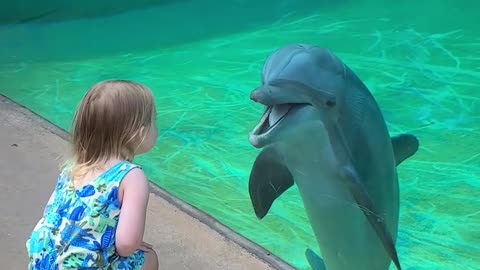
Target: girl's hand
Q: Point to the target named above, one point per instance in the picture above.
(146, 247)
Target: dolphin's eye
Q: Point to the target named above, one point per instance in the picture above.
(331, 103)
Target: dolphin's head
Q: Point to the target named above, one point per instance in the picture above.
(300, 83)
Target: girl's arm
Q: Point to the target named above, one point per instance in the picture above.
(133, 196)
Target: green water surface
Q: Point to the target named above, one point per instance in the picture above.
(420, 60)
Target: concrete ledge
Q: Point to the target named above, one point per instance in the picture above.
(165, 196)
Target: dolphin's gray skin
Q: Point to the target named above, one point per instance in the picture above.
(323, 130)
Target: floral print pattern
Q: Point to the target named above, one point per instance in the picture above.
(77, 229)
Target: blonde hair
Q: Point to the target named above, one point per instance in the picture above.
(107, 124)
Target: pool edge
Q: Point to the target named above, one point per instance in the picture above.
(203, 217)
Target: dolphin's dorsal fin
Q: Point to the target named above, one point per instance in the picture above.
(314, 260)
(404, 146)
(268, 180)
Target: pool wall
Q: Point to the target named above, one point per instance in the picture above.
(22, 11)
(161, 25)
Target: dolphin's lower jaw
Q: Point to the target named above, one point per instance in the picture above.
(256, 140)
(255, 137)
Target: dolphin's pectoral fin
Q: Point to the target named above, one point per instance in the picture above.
(314, 260)
(365, 203)
(404, 146)
(269, 178)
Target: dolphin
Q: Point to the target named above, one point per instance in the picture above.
(323, 131)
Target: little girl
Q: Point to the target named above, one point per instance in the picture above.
(95, 218)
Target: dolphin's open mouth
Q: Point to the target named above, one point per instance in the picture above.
(272, 116)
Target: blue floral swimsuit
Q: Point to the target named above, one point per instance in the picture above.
(77, 230)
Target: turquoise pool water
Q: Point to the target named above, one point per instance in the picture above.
(421, 62)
